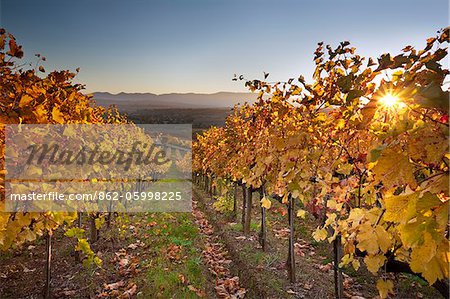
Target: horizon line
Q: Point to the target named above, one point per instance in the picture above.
(168, 93)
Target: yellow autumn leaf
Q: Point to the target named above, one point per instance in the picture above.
(435, 270)
(302, 197)
(371, 165)
(319, 234)
(400, 208)
(340, 124)
(410, 233)
(99, 222)
(98, 261)
(331, 217)
(57, 115)
(321, 117)
(266, 203)
(25, 100)
(394, 169)
(428, 145)
(333, 237)
(295, 194)
(40, 113)
(424, 259)
(33, 171)
(374, 262)
(384, 238)
(301, 213)
(356, 215)
(427, 201)
(345, 260)
(345, 169)
(333, 205)
(27, 235)
(366, 240)
(356, 264)
(385, 287)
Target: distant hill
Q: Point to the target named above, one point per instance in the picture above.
(131, 102)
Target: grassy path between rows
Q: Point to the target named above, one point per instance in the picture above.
(148, 255)
(264, 274)
(202, 254)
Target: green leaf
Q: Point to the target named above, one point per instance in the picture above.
(375, 153)
(74, 232)
(427, 202)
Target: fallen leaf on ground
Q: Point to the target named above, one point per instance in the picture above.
(114, 285)
(130, 292)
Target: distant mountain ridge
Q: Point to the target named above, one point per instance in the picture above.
(129, 102)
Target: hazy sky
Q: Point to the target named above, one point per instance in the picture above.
(197, 45)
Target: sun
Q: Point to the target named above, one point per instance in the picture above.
(391, 101)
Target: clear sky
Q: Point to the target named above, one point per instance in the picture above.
(197, 45)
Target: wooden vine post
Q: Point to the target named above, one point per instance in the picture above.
(337, 255)
(77, 252)
(248, 211)
(291, 255)
(203, 182)
(244, 204)
(125, 201)
(263, 232)
(208, 185)
(48, 263)
(211, 189)
(110, 213)
(235, 193)
(94, 231)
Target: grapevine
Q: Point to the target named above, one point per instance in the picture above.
(364, 147)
